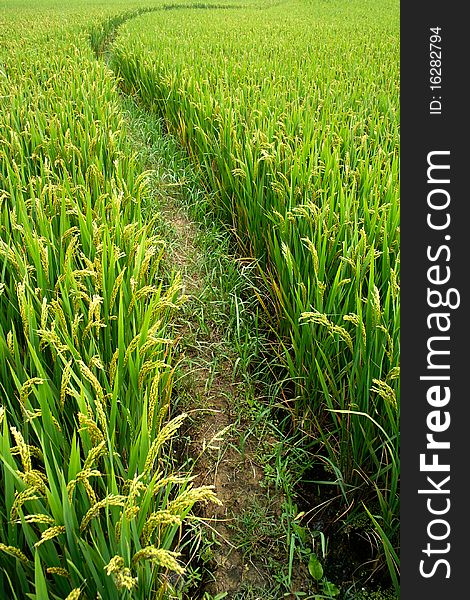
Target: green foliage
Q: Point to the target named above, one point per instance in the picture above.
(290, 112)
(315, 568)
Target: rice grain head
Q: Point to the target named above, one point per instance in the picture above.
(49, 534)
(13, 551)
(163, 558)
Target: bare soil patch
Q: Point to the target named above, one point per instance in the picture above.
(215, 431)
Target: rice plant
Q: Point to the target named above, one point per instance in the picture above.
(91, 504)
(291, 113)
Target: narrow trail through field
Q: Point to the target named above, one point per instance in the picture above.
(207, 370)
(209, 388)
(221, 443)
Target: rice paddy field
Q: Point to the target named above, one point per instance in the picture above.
(289, 112)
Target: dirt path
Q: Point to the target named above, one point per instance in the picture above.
(215, 430)
(207, 365)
